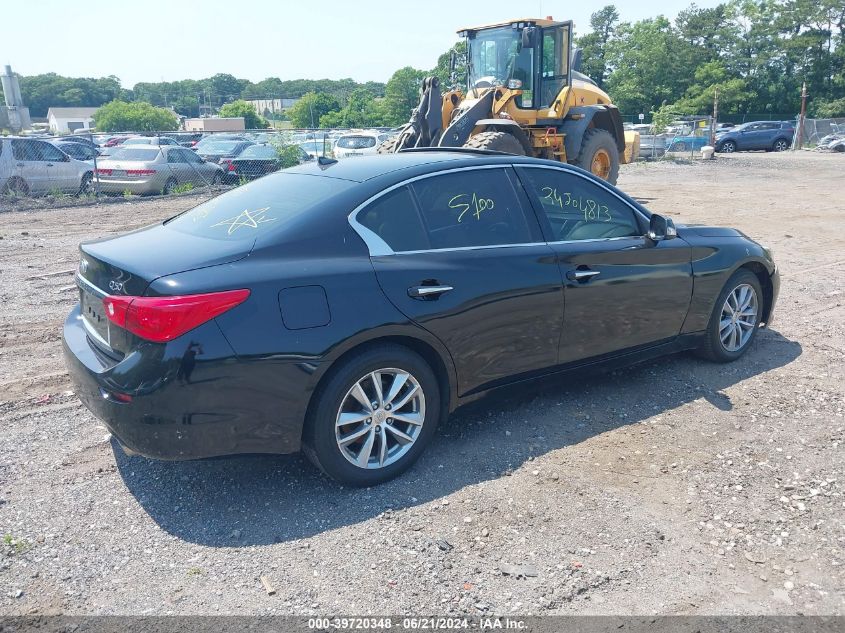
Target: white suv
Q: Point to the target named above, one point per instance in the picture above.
(31, 166)
(358, 143)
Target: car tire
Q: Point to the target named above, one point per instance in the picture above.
(86, 186)
(168, 186)
(780, 145)
(595, 143)
(324, 437)
(680, 146)
(16, 186)
(729, 316)
(728, 147)
(216, 179)
(496, 142)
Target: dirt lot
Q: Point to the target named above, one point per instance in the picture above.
(676, 487)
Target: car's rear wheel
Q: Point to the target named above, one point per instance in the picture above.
(735, 318)
(781, 145)
(373, 417)
(16, 187)
(728, 147)
(680, 146)
(216, 178)
(87, 185)
(169, 186)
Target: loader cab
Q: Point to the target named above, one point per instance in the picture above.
(531, 56)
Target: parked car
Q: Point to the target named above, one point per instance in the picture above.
(317, 148)
(346, 307)
(222, 152)
(150, 140)
(837, 145)
(79, 151)
(115, 140)
(78, 138)
(210, 139)
(688, 141)
(767, 135)
(258, 160)
(187, 139)
(153, 169)
(358, 144)
(31, 166)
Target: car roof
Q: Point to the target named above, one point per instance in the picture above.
(368, 167)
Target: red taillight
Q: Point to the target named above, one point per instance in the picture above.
(231, 167)
(162, 319)
(104, 172)
(140, 172)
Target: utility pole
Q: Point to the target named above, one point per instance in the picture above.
(715, 117)
(800, 140)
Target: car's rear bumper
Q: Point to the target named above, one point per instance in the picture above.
(190, 398)
(135, 187)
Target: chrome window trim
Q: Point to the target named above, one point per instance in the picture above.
(379, 248)
(89, 329)
(91, 287)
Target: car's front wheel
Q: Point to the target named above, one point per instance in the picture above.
(735, 318)
(373, 417)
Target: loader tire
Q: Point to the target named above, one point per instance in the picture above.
(496, 142)
(599, 155)
(389, 146)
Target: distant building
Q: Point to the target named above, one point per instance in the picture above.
(14, 115)
(269, 106)
(67, 120)
(217, 124)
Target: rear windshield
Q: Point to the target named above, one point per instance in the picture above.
(356, 142)
(266, 204)
(259, 151)
(138, 141)
(134, 153)
(220, 147)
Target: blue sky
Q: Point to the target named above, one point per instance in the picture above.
(157, 40)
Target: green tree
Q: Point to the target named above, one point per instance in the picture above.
(240, 108)
(442, 72)
(361, 110)
(402, 94)
(595, 43)
(306, 112)
(120, 116)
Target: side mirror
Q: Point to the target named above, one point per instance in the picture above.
(660, 228)
(529, 37)
(577, 58)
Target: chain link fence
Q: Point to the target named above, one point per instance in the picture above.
(818, 133)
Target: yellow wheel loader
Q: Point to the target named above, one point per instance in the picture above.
(524, 96)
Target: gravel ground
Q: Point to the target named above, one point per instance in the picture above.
(675, 487)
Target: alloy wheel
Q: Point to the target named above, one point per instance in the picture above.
(729, 147)
(781, 146)
(380, 418)
(739, 317)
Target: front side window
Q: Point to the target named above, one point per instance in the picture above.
(578, 209)
(471, 208)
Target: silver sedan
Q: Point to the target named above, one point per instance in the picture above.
(152, 169)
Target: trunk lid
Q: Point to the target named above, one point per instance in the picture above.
(126, 265)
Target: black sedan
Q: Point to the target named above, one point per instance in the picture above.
(345, 308)
(262, 159)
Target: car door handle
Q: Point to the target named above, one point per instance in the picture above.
(582, 275)
(425, 292)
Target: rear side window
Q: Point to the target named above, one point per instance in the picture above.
(394, 218)
(262, 206)
(471, 208)
(578, 209)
